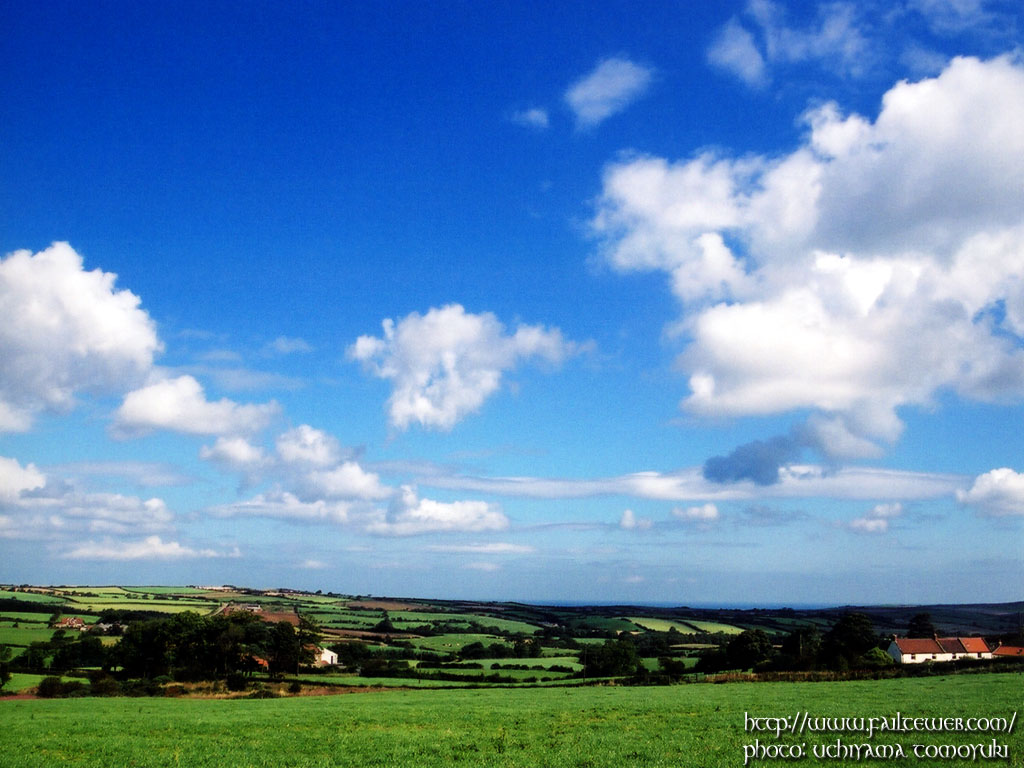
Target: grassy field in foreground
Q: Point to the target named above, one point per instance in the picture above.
(686, 725)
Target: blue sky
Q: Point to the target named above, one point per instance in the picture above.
(638, 302)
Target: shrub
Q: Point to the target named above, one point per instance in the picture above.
(104, 685)
(295, 687)
(236, 682)
(50, 688)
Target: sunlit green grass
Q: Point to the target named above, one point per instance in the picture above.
(661, 625)
(24, 634)
(714, 626)
(29, 597)
(688, 725)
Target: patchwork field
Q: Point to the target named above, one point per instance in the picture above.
(695, 725)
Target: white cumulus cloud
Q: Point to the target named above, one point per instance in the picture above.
(179, 404)
(37, 508)
(15, 478)
(410, 515)
(65, 330)
(999, 492)
(611, 87)
(875, 265)
(348, 480)
(234, 452)
(309, 446)
(446, 363)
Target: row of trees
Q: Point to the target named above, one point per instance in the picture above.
(185, 646)
(851, 643)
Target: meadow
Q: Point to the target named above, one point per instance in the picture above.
(683, 725)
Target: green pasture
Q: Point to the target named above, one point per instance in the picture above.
(185, 591)
(30, 597)
(24, 634)
(19, 682)
(159, 606)
(469, 672)
(319, 600)
(544, 661)
(91, 591)
(595, 727)
(31, 618)
(604, 623)
(348, 619)
(661, 625)
(424, 617)
(454, 642)
(714, 626)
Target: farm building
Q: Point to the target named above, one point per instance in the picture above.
(916, 650)
(1009, 651)
(71, 622)
(324, 657)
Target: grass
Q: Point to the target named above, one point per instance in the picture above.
(695, 725)
(661, 625)
(20, 681)
(158, 606)
(455, 642)
(714, 626)
(30, 597)
(22, 616)
(25, 634)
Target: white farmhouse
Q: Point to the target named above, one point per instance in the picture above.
(324, 657)
(917, 650)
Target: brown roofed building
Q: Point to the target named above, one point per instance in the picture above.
(1012, 651)
(916, 650)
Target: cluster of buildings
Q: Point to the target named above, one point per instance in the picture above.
(917, 650)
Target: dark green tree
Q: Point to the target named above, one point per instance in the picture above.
(283, 648)
(614, 658)
(749, 648)
(5, 665)
(801, 648)
(851, 637)
(920, 625)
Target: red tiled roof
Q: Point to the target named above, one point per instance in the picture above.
(974, 644)
(951, 644)
(1008, 650)
(918, 645)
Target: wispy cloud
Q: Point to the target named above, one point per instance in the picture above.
(734, 50)
(836, 39)
(150, 548)
(493, 548)
(287, 345)
(795, 481)
(877, 519)
(535, 117)
(609, 89)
